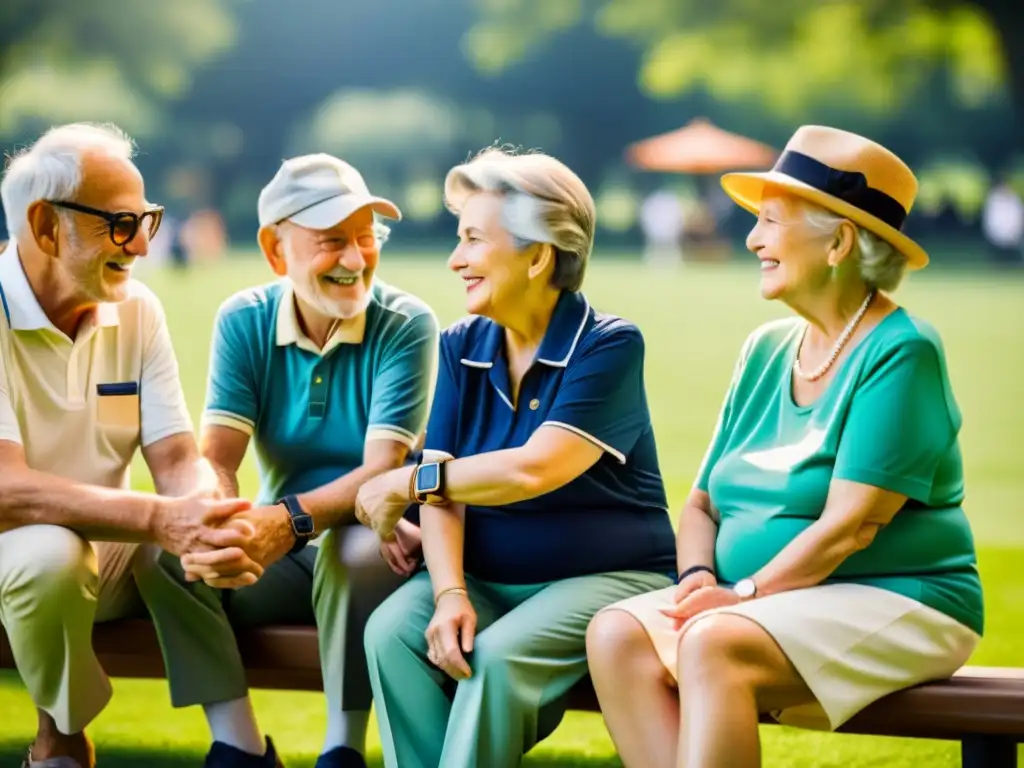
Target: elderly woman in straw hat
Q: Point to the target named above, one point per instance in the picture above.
(541, 496)
(824, 557)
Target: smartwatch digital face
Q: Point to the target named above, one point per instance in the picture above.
(428, 478)
(303, 525)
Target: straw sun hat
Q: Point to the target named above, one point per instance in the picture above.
(846, 174)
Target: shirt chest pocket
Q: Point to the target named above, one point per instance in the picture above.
(117, 408)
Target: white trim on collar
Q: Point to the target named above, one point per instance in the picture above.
(554, 363)
(576, 339)
(289, 332)
(26, 313)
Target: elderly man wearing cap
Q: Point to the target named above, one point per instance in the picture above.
(329, 372)
(825, 559)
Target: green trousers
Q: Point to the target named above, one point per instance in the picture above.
(335, 585)
(529, 650)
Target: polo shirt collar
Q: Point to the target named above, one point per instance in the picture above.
(556, 348)
(289, 331)
(22, 304)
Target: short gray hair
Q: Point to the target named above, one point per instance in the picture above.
(545, 202)
(51, 168)
(881, 266)
(381, 231)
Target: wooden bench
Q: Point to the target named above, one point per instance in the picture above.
(981, 707)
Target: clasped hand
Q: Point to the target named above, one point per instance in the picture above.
(225, 542)
(266, 538)
(402, 554)
(695, 594)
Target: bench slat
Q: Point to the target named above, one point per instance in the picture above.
(977, 700)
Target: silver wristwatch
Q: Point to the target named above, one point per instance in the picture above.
(745, 588)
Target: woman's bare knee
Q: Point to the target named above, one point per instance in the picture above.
(714, 646)
(615, 636)
(729, 650)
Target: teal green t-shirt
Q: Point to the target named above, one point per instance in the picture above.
(887, 419)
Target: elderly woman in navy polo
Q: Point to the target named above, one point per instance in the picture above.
(544, 502)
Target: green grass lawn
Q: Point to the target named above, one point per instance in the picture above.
(694, 320)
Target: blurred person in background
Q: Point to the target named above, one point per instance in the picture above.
(825, 558)
(542, 500)
(1002, 223)
(328, 372)
(87, 377)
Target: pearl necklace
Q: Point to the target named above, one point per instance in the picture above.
(844, 337)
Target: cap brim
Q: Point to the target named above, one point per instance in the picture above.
(747, 189)
(334, 211)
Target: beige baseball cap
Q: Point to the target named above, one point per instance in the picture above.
(318, 191)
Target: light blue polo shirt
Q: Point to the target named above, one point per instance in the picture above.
(311, 411)
(587, 378)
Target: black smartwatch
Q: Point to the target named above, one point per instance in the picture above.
(428, 483)
(302, 522)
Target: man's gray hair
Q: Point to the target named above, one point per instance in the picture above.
(51, 168)
(881, 266)
(545, 202)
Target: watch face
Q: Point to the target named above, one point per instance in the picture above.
(427, 478)
(303, 525)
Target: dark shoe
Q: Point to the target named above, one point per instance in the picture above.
(341, 757)
(223, 755)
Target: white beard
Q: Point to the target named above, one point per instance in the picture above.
(341, 310)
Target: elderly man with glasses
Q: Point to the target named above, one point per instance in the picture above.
(87, 377)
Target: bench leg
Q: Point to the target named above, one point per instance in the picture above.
(988, 752)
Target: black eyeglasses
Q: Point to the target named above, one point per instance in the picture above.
(124, 225)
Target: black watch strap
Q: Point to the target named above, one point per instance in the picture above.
(303, 526)
(695, 569)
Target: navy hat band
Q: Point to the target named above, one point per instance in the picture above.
(849, 186)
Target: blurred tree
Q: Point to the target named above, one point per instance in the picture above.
(787, 53)
(103, 59)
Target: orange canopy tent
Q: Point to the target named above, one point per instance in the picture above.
(700, 147)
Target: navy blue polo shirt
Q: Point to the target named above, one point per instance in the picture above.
(588, 378)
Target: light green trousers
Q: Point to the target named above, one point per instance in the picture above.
(335, 585)
(54, 585)
(529, 651)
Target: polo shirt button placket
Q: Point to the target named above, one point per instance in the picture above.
(317, 395)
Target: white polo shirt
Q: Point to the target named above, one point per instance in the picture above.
(81, 408)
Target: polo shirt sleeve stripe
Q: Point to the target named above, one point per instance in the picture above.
(576, 430)
(390, 432)
(602, 396)
(228, 419)
(402, 386)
